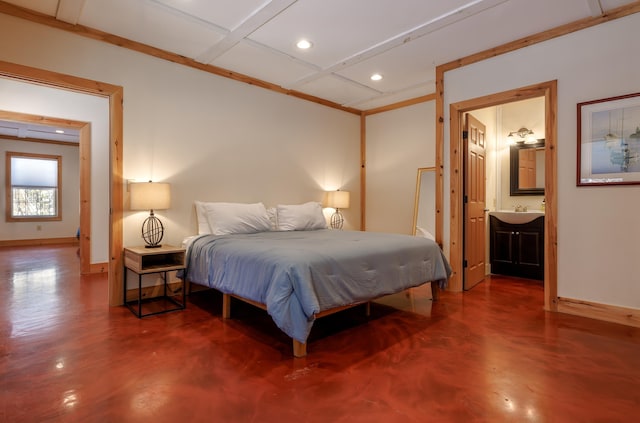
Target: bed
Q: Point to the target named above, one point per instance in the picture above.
(298, 275)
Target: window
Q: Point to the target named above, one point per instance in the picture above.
(33, 187)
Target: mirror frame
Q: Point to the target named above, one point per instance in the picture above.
(513, 163)
(417, 196)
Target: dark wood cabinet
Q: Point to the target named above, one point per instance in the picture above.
(517, 249)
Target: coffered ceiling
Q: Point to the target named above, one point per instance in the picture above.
(402, 40)
(15, 129)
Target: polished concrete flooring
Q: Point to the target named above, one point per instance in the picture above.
(489, 355)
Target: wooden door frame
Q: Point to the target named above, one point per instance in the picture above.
(84, 154)
(115, 95)
(548, 90)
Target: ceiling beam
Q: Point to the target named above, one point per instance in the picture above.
(595, 8)
(69, 10)
(85, 31)
(40, 140)
(275, 52)
(559, 31)
(255, 21)
(189, 17)
(456, 15)
(427, 86)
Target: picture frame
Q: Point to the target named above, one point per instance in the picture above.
(609, 141)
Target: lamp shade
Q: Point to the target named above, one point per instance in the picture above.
(338, 199)
(150, 196)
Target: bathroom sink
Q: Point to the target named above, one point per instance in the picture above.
(510, 216)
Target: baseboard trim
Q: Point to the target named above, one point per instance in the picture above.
(606, 312)
(37, 242)
(98, 268)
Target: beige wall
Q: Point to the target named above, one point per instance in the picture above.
(70, 193)
(210, 137)
(529, 114)
(597, 226)
(38, 100)
(398, 143)
(499, 121)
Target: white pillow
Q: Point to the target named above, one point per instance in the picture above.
(201, 217)
(237, 218)
(301, 217)
(272, 212)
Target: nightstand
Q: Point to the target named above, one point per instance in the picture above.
(144, 261)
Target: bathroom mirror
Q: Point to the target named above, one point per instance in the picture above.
(424, 211)
(527, 168)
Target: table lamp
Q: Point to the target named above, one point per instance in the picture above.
(337, 200)
(150, 196)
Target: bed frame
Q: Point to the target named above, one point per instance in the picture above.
(299, 348)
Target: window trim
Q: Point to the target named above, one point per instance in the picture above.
(9, 192)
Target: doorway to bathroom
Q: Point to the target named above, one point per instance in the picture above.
(547, 93)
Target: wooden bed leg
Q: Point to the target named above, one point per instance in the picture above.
(367, 311)
(434, 291)
(226, 306)
(299, 349)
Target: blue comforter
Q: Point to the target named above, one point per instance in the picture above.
(298, 274)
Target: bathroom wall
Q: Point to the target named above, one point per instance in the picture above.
(528, 114)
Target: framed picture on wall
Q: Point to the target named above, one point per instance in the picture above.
(609, 141)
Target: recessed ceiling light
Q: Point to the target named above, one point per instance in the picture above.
(59, 131)
(376, 77)
(304, 44)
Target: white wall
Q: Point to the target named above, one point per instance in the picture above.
(398, 143)
(529, 114)
(38, 100)
(210, 137)
(219, 140)
(69, 194)
(598, 232)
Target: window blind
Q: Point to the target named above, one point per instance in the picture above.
(34, 172)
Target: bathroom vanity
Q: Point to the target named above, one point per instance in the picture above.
(517, 243)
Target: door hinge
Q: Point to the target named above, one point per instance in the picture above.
(466, 199)
(464, 263)
(465, 134)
